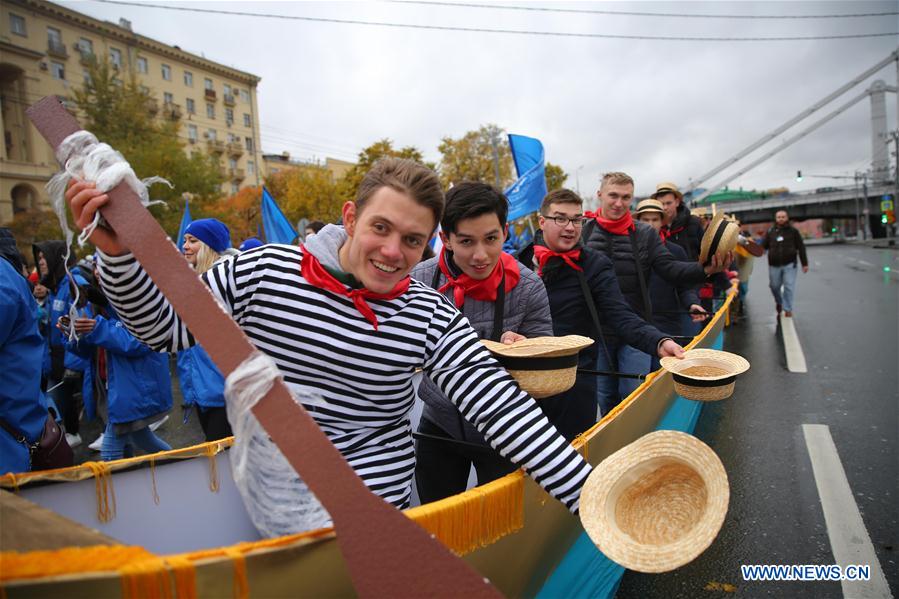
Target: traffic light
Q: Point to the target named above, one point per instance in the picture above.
(888, 217)
(799, 175)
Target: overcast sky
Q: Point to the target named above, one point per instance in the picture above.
(659, 110)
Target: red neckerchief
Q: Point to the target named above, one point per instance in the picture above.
(543, 254)
(615, 227)
(485, 289)
(313, 271)
(666, 232)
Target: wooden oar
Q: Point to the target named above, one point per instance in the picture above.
(387, 555)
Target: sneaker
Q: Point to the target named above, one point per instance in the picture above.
(159, 423)
(98, 444)
(788, 314)
(73, 440)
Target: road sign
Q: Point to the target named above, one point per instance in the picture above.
(886, 205)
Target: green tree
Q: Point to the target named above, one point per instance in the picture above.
(555, 176)
(471, 157)
(348, 185)
(121, 113)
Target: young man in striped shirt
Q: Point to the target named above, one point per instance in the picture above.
(342, 320)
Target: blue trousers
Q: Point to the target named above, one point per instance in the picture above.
(783, 277)
(610, 390)
(116, 446)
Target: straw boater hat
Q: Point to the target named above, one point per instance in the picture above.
(663, 188)
(719, 238)
(543, 366)
(705, 374)
(650, 205)
(656, 504)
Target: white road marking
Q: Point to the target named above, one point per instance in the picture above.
(865, 263)
(849, 539)
(792, 347)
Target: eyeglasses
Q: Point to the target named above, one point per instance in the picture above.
(562, 221)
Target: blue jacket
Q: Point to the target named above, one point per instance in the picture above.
(667, 299)
(137, 378)
(22, 404)
(201, 382)
(57, 304)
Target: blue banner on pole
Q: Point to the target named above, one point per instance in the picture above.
(277, 228)
(185, 220)
(526, 194)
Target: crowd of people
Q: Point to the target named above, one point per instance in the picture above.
(352, 312)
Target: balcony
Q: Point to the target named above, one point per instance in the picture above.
(235, 148)
(215, 146)
(209, 94)
(57, 49)
(228, 99)
(171, 111)
(87, 58)
(237, 174)
(152, 105)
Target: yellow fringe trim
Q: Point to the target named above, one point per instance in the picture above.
(241, 584)
(153, 478)
(185, 576)
(105, 490)
(477, 517)
(211, 451)
(70, 560)
(145, 579)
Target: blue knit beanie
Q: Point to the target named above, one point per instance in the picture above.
(212, 232)
(249, 244)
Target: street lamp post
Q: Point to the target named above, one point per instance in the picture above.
(577, 179)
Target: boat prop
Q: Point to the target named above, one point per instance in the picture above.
(656, 504)
(705, 374)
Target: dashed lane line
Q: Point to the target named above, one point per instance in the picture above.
(792, 347)
(849, 539)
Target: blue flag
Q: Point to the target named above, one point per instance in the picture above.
(526, 194)
(185, 220)
(277, 228)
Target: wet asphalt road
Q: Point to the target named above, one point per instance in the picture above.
(845, 314)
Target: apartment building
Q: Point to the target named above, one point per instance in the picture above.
(45, 49)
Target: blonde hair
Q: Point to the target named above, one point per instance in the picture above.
(616, 178)
(206, 257)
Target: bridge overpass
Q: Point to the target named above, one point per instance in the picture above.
(839, 203)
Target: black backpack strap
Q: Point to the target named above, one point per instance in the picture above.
(498, 308)
(591, 306)
(436, 278)
(647, 306)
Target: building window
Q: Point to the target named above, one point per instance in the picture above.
(87, 76)
(191, 108)
(115, 57)
(207, 84)
(246, 120)
(229, 116)
(143, 89)
(17, 25)
(86, 47)
(188, 79)
(192, 133)
(210, 110)
(226, 89)
(142, 65)
(244, 95)
(251, 167)
(249, 143)
(57, 69)
(166, 72)
(210, 134)
(232, 163)
(168, 98)
(54, 37)
(235, 188)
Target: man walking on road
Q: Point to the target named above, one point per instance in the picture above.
(783, 242)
